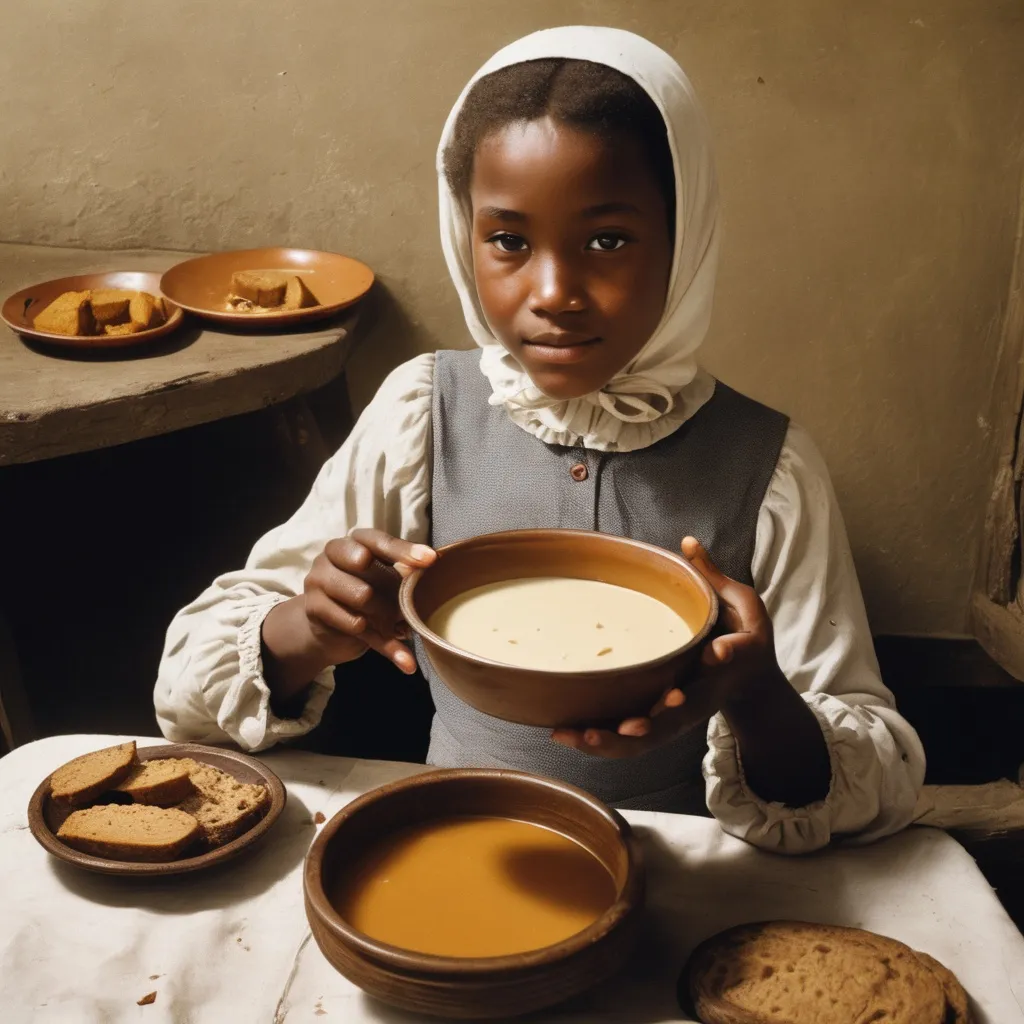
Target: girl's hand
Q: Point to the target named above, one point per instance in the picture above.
(349, 604)
(735, 667)
(350, 596)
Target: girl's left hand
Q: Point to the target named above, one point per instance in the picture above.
(739, 665)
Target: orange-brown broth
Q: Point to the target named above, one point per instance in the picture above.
(474, 887)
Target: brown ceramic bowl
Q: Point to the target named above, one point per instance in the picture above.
(45, 818)
(559, 699)
(20, 309)
(201, 285)
(488, 987)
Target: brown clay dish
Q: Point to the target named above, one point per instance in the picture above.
(44, 817)
(488, 987)
(202, 285)
(555, 699)
(20, 309)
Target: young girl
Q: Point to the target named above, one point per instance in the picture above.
(579, 219)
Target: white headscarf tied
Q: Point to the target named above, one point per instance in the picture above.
(662, 386)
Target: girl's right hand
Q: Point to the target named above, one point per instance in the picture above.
(350, 596)
(349, 604)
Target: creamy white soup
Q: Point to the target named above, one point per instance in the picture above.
(559, 624)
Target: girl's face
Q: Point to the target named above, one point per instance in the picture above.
(571, 252)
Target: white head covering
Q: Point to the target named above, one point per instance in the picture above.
(662, 386)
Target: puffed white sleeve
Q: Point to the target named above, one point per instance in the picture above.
(210, 685)
(803, 569)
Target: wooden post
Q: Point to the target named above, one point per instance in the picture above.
(997, 599)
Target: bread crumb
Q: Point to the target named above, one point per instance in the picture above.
(153, 977)
(319, 818)
(146, 1000)
(599, 626)
(603, 651)
(513, 641)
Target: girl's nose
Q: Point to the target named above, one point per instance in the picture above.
(557, 288)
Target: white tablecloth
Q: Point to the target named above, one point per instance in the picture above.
(232, 945)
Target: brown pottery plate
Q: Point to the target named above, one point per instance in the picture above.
(202, 285)
(21, 309)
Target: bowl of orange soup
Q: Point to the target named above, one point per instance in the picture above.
(559, 627)
(475, 893)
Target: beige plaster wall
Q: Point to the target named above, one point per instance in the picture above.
(870, 157)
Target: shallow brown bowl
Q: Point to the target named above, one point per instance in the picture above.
(201, 285)
(488, 987)
(45, 817)
(559, 699)
(21, 308)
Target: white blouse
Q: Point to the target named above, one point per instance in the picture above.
(210, 685)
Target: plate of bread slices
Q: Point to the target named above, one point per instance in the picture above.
(259, 289)
(158, 810)
(94, 311)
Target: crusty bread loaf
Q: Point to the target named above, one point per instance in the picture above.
(69, 314)
(297, 295)
(223, 806)
(82, 780)
(132, 832)
(162, 782)
(110, 305)
(958, 1005)
(803, 973)
(261, 287)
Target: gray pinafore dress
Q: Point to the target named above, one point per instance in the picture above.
(708, 479)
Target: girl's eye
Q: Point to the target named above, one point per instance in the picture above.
(606, 243)
(506, 242)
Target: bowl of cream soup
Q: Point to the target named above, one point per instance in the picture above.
(475, 893)
(559, 627)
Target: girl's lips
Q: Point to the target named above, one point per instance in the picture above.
(560, 351)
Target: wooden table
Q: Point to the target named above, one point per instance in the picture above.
(233, 944)
(57, 402)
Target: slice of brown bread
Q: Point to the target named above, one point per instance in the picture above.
(110, 306)
(130, 832)
(142, 310)
(82, 780)
(297, 295)
(799, 973)
(223, 806)
(162, 782)
(958, 1005)
(69, 313)
(122, 330)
